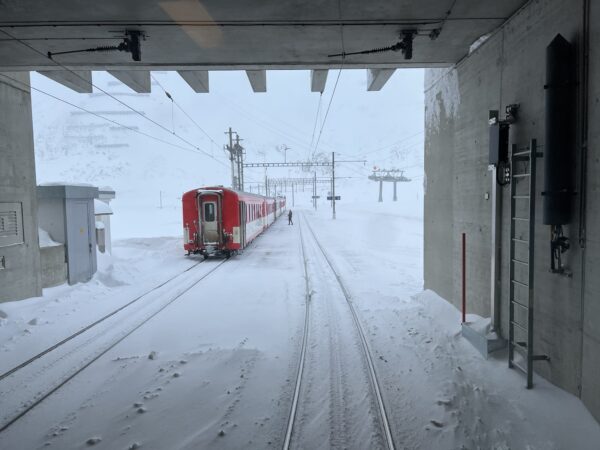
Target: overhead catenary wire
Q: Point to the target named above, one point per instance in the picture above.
(174, 102)
(385, 147)
(334, 86)
(299, 142)
(312, 138)
(327, 111)
(100, 116)
(14, 38)
(135, 130)
(172, 131)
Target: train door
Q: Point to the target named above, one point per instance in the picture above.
(243, 221)
(209, 209)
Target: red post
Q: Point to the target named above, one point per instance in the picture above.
(464, 278)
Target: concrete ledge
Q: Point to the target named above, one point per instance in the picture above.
(54, 268)
(479, 335)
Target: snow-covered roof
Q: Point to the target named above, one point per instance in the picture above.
(101, 208)
(65, 183)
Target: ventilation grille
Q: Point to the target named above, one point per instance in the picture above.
(8, 224)
(11, 226)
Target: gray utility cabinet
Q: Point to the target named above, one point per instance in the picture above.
(66, 212)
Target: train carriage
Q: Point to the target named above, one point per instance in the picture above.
(221, 221)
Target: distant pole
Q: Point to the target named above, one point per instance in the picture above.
(293, 200)
(315, 191)
(395, 196)
(239, 153)
(464, 278)
(160, 197)
(333, 181)
(231, 157)
(380, 191)
(266, 186)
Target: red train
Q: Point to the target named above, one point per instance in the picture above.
(221, 221)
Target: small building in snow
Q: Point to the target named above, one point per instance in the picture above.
(66, 213)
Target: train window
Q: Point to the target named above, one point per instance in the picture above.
(209, 212)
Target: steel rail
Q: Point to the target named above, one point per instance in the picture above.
(92, 325)
(39, 400)
(294, 408)
(365, 346)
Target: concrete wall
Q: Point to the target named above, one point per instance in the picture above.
(21, 276)
(590, 386)
(54, 267)
(510, 68)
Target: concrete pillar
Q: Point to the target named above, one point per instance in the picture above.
(395, 195)
(376, 78)
(380, 191)
(20, 271)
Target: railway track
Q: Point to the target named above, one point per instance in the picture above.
(364, 345)
(91, 325)
(294, 409)
(40, 394)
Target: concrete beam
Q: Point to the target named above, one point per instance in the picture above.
(136, 80)
(376, 78)
(258, 80)
(78, 80)
(197, 79)
(318, 79)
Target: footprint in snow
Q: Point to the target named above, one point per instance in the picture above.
(93, 440)
(436, 424)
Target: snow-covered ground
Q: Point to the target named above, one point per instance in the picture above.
(216, 368)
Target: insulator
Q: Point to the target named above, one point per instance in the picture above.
(106, 48)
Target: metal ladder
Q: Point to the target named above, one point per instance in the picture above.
(520, 334)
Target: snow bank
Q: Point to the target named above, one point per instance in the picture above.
(45, 239)
(101, 208)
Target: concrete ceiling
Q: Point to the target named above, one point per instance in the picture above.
(189, 35)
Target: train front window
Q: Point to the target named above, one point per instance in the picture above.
(209, 212)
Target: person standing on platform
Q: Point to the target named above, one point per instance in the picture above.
(290, 222)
